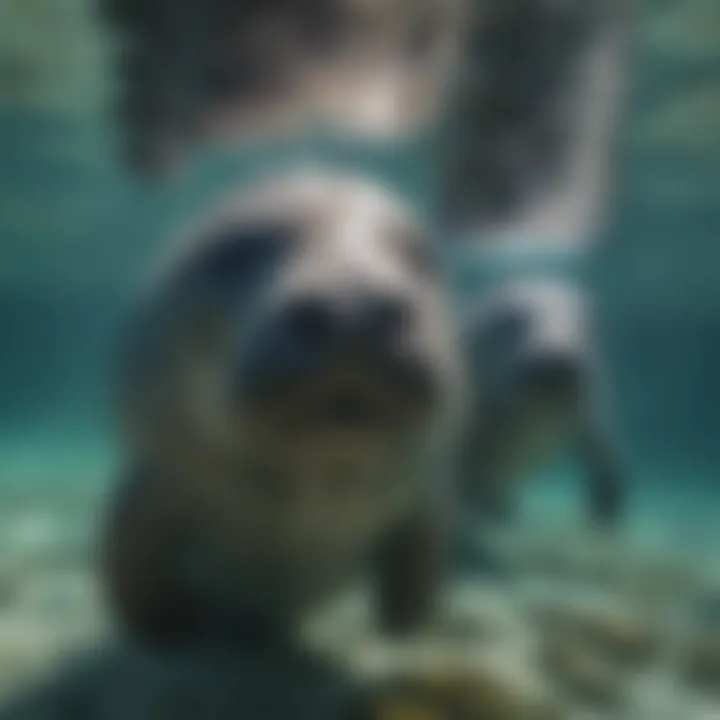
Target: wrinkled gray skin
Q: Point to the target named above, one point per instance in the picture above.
(530, 344)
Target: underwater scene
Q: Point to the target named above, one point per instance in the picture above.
(585, 575)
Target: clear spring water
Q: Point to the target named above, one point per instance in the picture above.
(75, 233)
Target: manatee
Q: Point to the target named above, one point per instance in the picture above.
(538, 396)
(289, 388)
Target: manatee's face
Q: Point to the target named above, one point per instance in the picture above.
(324, 327)
(532, 347)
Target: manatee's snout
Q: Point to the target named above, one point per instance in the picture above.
(344, 357)
(370, 323)
(558, 375)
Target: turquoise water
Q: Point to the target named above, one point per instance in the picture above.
(76, 233)
(69, 265)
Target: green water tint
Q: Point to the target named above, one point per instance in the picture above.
(77, 232)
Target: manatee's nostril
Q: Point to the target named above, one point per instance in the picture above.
(310, 319)
(371, 320)
(290, 346)
(311, 333)
(384, 318)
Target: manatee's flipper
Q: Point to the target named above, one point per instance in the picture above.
(606, 480)
(141, 546)
(411, 568)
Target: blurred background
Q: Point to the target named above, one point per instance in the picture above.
(76, 230)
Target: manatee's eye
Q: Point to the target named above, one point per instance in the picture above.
(241, 257)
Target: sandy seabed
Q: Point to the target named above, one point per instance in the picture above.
(579, 626)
